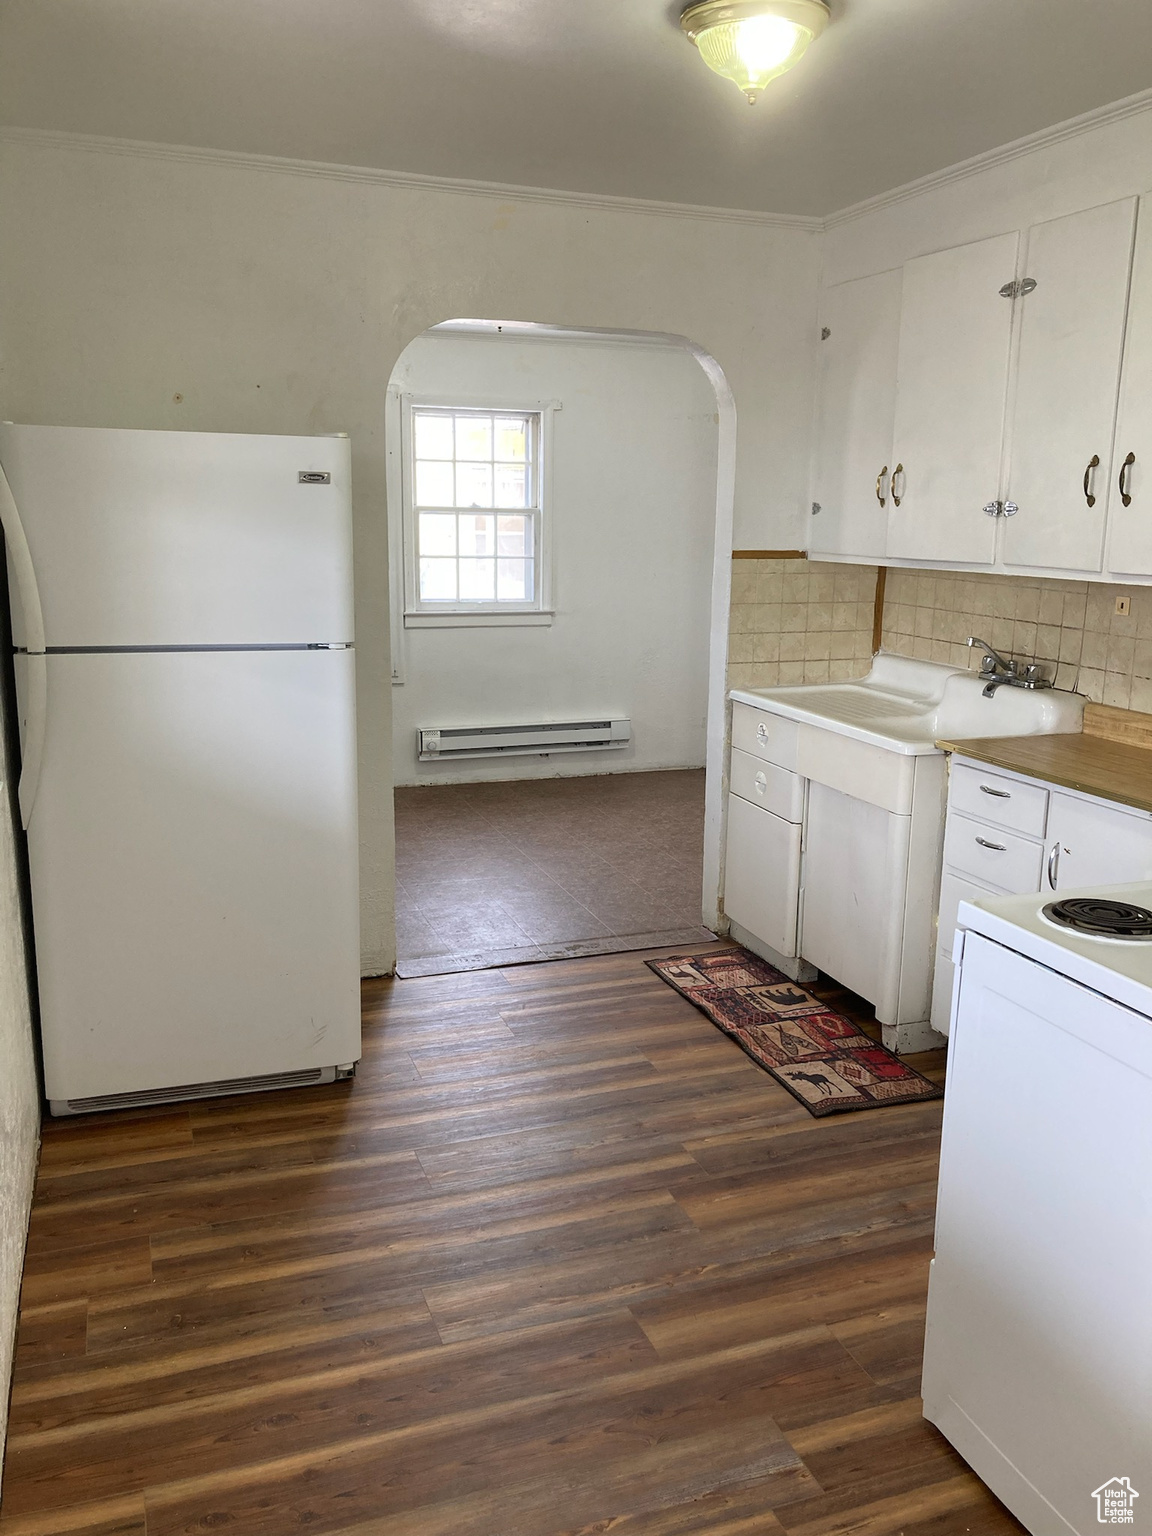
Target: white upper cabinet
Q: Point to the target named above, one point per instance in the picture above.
(1066, 384)
(952, 379)
(1130, 483)
(1018, 395)
(860, 328)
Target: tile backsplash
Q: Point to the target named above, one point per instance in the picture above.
(809, 621)
(799, 621)
(1072, 626)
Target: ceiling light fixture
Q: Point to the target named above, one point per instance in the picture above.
(752, 41)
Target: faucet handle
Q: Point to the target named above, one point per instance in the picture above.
(1036, 676)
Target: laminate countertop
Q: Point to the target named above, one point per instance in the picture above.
(1095, 765)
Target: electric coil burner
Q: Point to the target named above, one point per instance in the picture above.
(1100, 918)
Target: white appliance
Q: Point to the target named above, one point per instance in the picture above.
(182, 614)
(1038, 1350)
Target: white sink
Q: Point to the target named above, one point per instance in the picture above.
(906, 706)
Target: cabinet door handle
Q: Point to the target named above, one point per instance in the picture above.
(1054, 864)
(896, 500)
(997, 847)
(1125, 479)
(1093, 463)
(880, 496)
(1001, 794)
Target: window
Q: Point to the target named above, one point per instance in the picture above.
(473, 513)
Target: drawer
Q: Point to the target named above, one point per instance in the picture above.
(1005, 802)
(770, 737)
(992, 855)
(765, 784)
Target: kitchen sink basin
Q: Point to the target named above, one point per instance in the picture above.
(906, 706)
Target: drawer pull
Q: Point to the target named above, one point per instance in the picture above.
(761, 783)
(1001, 794)
(761, 732)
(996, 847)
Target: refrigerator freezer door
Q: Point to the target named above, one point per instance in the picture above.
(182, 538)
(193, 853)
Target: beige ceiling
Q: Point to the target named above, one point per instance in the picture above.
(600, 96)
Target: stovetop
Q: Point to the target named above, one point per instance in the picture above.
(1101, 917)
(1117, 965)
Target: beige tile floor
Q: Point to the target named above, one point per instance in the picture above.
(494, 874)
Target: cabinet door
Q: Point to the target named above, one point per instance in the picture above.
(1067, 380)
(857, 407)
(955, 335)
(1098, 844)
(762, 874)
(855, 878)
(1130, 527)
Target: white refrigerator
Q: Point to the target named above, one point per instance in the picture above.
(182, 617)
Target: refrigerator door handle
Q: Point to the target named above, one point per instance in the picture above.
(32, 753)
(24, 576)
(23, 571)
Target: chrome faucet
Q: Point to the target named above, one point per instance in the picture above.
(995, 671)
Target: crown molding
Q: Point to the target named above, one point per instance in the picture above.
(45, 138)
(1073, 128)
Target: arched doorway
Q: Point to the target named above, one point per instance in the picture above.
(638, 431)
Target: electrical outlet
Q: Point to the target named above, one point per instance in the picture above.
(1123, 605)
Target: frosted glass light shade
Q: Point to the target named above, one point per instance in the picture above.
(750, 42)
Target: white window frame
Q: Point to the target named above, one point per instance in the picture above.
(420, 614)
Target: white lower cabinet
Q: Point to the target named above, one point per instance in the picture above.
(1092, 842)
(1031, 837)
(762, 874)
(832, 860)
(856, 855)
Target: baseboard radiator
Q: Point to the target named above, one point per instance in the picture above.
(441, 743)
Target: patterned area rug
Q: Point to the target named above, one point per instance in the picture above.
(819, 1055)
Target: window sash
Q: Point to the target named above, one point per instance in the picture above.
(484, 572)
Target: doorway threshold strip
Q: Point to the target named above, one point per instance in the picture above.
(819, 1055)
(575, 949)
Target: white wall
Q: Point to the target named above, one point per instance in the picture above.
(631, 518)
(1080, 169)
(272, 299)
(19, 1100)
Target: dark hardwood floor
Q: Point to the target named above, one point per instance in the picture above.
(562, 1260)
